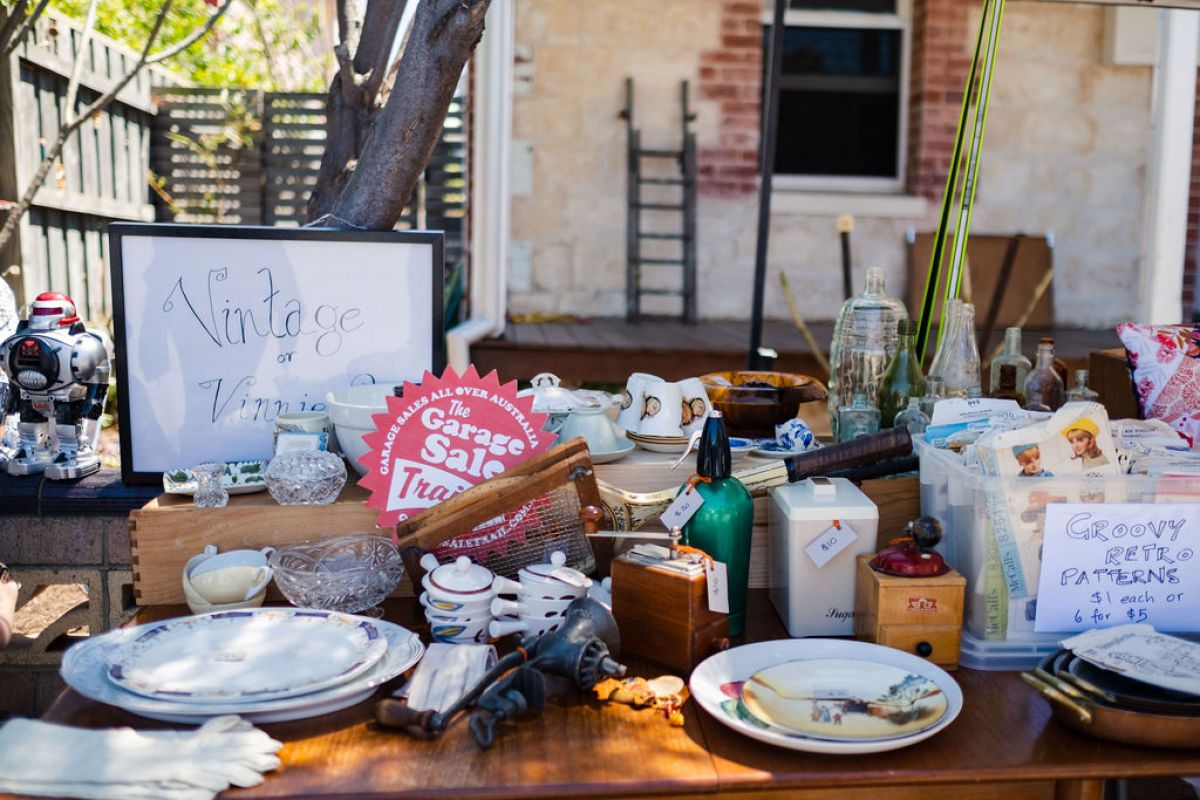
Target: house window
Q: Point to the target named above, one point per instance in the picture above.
(843, 95)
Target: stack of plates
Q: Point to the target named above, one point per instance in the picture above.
(1101, 702)
(827, 695)
(265, 664)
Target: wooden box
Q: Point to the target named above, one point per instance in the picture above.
(664, 618)
(917, 615)
(1108, 375)
(169, 530)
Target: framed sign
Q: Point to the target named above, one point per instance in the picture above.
(219, 329)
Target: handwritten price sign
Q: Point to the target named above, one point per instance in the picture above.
(1110, 564)
(446, 435)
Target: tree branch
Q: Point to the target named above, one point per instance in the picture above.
(380, 25)
(406, 130)
(18, 35)
(89, 27)
(16, 15)
(196, 35)
(68, 128)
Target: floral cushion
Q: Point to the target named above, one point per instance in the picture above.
(1164, 361)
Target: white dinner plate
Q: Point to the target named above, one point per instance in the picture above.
(717, 684)
(85, 667)
(246, 655)
(608, 456)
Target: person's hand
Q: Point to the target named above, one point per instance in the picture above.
(9, 589)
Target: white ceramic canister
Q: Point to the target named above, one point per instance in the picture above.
(552, 581)
(461, 582)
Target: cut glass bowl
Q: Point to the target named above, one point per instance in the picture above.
(306, 478)
(351, 573)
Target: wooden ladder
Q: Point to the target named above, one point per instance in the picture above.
(684, 206)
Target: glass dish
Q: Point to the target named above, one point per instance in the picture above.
(306, 478)
(351, 574)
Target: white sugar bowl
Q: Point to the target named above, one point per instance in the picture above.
(552, 581)
(461, 582)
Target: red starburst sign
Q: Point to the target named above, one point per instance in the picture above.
(444, 436)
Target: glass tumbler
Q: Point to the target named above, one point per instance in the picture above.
(210, 492)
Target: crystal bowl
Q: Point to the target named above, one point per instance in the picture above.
(753, 403)
(306, 478)
(349, 573)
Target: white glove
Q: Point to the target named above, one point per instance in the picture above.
(44, 759)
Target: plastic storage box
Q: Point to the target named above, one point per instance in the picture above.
(812, 582)
(998, 629)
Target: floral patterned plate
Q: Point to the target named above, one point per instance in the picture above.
(241, 477)
(789, 679)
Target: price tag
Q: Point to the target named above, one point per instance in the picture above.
(833, 541)
(718, 589)
(682, 509)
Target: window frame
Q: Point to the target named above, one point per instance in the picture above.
(900, 21)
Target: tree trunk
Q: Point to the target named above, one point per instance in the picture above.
(406, 130)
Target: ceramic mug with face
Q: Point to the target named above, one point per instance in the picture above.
(662, 410)
(631, 400)
(695, 405)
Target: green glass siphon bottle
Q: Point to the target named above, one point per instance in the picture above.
(722, 525)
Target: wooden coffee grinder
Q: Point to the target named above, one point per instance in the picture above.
(660, 602)
(908, 598)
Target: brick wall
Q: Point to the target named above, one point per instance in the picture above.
(941, 61)
(731, 76)
(1193, 222)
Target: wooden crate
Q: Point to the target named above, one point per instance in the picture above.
(169, 530)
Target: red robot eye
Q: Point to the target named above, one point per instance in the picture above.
(29, 348)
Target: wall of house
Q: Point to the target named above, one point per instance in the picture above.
(1065, 152)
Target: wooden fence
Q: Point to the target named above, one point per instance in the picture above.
(101, 175)
(252, 158)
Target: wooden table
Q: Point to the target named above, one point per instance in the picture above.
(1003, 745)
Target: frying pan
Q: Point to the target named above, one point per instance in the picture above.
(1084, 714)
(1127, 692)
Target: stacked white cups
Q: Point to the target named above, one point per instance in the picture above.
(457, 600)
(542, 593)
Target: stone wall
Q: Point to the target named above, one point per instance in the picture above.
(1065, 152)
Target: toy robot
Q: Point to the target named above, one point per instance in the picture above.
(57, 370)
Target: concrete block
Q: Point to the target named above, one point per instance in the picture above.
(552, 267)
(53, 540)
(118, 542)
(17, 692)
(121, 606)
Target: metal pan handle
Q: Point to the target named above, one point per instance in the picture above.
(1054, 695)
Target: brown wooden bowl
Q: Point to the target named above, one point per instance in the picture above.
(753, 403)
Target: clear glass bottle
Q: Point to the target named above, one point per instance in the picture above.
(867, 325)
(1043, 388)
(903, 378)
(959, 366)
(1012, 355)
(933, 393)
(974, 392)
(1007, 388)
(858, 419)
(913, 417)
(945, 326)
(1080, 391)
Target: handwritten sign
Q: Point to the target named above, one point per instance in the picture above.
(1110, 564)
(220, 329)
(444, 436)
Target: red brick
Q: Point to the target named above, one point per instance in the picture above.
(734, 42)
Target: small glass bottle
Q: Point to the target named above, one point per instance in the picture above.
(1080, 391)
(912, 417)
(210, 491)
(959, 367)
(858, 419)
(1043, 388)
(903, 378)
(974, 392)
(933, 393)
(1012, 355)
(1007, 388)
